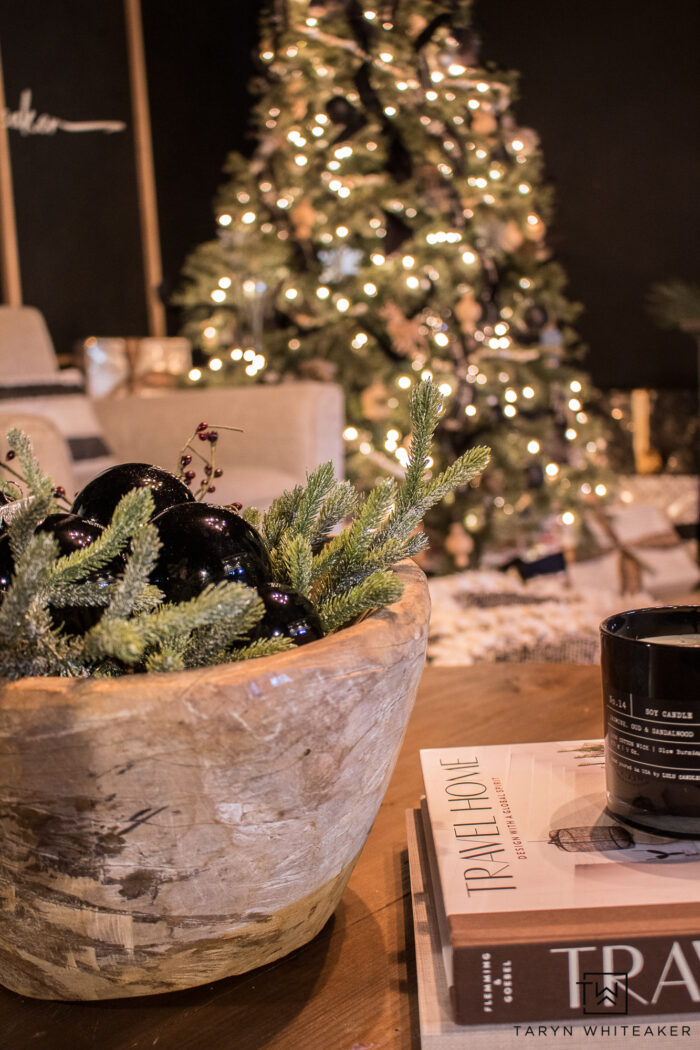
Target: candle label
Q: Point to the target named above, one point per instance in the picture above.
(651, 739)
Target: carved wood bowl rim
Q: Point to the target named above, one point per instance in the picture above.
(403, 621)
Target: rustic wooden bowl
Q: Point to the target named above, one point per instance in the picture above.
(163, 831)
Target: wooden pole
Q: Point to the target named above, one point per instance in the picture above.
(148, 207)
(9, 252)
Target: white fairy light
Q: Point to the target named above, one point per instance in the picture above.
(342, 231)
(248, 217)
(216, 364)
(322, 292)
(236, 354)
(359, 341)
(551, 470)
(377, 258)
(342, 304)
(369, 288)
(249, 354)
(350, 433)
(404, 382)
(218, 295)
(300, 160)
(575, 386)
(528, 392)
(407, 262)
(291, 294)
(412, 283)
(533, 447)
(209, 332)
(468, 258)
(470, 410)
(194, 375)
(524, 188)
(510, 411)
(571, 434)
(600, 490)
(568, 518)
(441, 339)
(225, 219)
(575, 404)
(511, 395)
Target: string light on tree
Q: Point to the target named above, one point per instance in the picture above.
(372, 240)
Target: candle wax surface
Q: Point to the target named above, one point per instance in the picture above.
(689, 640)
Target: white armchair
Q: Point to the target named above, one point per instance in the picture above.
(288, 429)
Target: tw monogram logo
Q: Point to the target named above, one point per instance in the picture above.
(604, 993)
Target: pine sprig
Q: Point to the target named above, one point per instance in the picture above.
(381, 588)
(133, 593)
(261, 647)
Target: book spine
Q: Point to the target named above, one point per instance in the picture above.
(595, 979)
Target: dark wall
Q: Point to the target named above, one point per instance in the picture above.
(199, 62)
(75, 193)
(612, 88)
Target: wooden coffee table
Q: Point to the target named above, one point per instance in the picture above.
(354, 986)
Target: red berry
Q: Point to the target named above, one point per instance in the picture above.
(212, 488)
(238, 506)
(189, 475)
(202, 435)
(212, 436)
(207, 469)
(185, 460)
(10, 455)
(218, 472)
(201, 426)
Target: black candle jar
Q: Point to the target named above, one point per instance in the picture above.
(650, 662)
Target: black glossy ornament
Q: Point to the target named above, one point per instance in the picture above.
(288, 614)
(98, 500)
(203, 544)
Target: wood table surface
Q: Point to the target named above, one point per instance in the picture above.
(354, 986)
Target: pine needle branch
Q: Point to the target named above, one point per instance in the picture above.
(261, 647)
(382, 588)
(132, 512)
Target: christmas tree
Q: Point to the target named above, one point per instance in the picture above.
(391, 225)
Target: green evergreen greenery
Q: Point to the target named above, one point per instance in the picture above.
(345, 575)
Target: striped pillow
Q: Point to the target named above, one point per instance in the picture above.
(61, 398)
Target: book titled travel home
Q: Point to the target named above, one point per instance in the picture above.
(548, 907)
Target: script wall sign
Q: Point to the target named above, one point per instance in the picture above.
(69, 120)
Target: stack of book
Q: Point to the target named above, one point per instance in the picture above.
(537, 914)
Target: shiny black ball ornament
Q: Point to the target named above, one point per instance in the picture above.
(98, 500)
(288, 614)
(203, 544)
